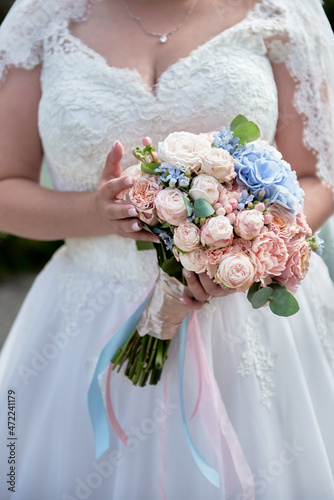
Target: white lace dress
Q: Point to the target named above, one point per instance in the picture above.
(275, 375)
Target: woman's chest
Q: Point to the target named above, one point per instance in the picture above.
(86, 104)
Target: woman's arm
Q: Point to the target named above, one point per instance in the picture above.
(29, 210)
(319, 199)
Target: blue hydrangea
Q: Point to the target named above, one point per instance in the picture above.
(167, 238)
(262, 169)
(224, 139)
(320, 243)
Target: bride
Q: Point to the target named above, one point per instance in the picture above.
(83, 82)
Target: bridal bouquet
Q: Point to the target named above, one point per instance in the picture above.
(225, 204)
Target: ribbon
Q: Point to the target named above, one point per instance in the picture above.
(210, 473)
(95, 402)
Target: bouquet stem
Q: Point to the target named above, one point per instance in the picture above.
(144, 358)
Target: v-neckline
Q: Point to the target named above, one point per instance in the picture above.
(154, 91)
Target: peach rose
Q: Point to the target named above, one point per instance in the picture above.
(170, 206)
(217, 231)
(236, 271)
(183, 149)
(283, 222)
(206, 187)
(194, 261)
(269, 254)
(249, 224)
(143, 195)
(303, 227)
(219, 163)
(187, 236)
(297, 265)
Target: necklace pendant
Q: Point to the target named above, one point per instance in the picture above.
(163, 38)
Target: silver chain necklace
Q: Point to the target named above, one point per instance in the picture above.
(162, 36)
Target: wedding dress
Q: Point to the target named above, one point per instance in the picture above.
(275, 375)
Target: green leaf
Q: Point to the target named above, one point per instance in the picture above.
(261, 297)
(238, 120)
(165, 225)
(202, 208)
(144, 245)
(172, 267)
(188, 206)
(247, 132)
(147, 228)
(283, 303)
(254, 288)
(148, 168)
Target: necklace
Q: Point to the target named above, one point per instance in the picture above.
(162, 36)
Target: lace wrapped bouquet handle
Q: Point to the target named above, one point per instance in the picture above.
(223, 203)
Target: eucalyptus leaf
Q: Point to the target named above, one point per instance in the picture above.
(144, 245)
(202, 208)
(261, 297)
(172, 267)
(283, 303)
(254, 288)
(188, 206)
(247, 132)
(165, 225)
(147, 228)
(238, 120)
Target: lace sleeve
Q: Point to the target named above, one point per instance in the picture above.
(28, 24)
(298, 34)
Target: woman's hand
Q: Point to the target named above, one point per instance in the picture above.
(116, 215)
(203, 289)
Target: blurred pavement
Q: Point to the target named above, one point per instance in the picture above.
(12, 294)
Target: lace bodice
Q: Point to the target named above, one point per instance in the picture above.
(86, 105)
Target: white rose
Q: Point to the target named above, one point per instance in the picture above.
(217, 232)
(219, 163)
(183, 149)
(205, 186)
(236, 271)
(194, 261)
(187, 236)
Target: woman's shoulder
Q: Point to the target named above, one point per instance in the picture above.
(28, 24)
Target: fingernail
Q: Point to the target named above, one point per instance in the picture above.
(128, 181)
(132, 212)
(183, 300)
(156, 240)
(115, 144)
(186, 273)
(136, 226)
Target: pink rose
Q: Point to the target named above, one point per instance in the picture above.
(183, 149)
(249, 224)
(269, 254)
(236, 271)
(206, 187)
(297, 265)
(219, 163)
(187, 236)
(217, 231)
(194, 261)
(303, 227)
(143, 195)
(170, 206)
(214, 256)
(135, 172)
(283, 223)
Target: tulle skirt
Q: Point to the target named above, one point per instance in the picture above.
(275, 378)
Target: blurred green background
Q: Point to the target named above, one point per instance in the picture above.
(19, 255)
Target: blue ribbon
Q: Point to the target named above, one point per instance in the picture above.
(210, 473)
(96, 406)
